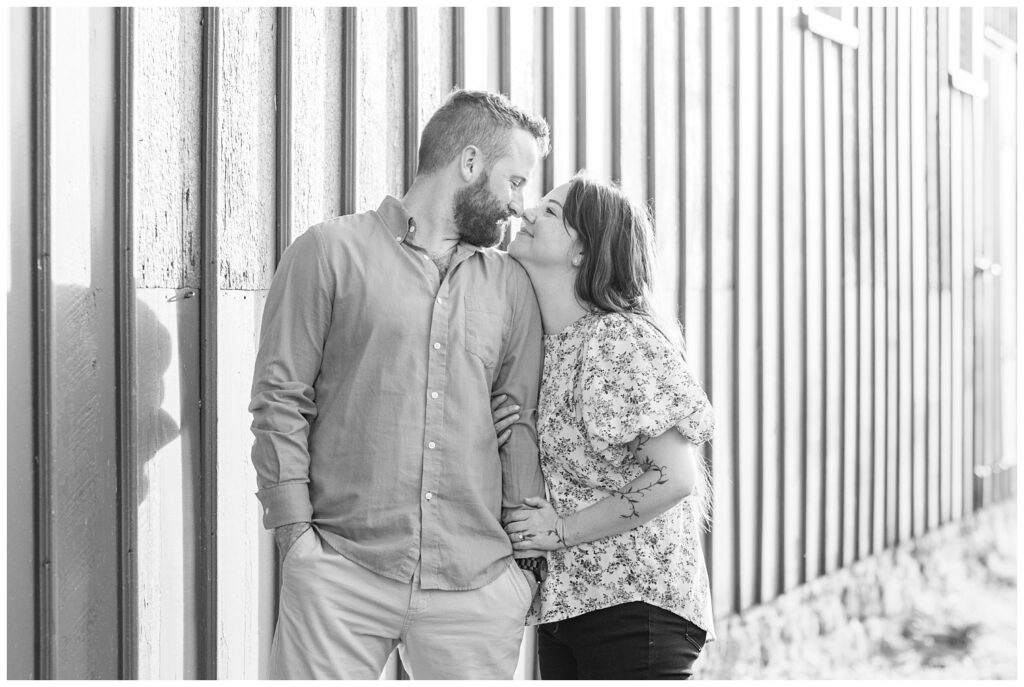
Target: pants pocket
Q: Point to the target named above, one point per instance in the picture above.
(695, 636)
(522, 585)
(292, 550)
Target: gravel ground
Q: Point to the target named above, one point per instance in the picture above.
(968, 634)
(962, 627)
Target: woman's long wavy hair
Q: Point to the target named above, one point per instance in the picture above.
(617, 272)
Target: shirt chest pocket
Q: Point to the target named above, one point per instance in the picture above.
(485, 325)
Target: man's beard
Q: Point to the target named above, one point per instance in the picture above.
(479, 216)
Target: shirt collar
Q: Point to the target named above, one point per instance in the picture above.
(402, 226)
(396, 218)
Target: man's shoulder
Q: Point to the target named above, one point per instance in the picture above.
(504, 264)
(345, 227)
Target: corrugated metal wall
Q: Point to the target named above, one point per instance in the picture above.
(834, 194)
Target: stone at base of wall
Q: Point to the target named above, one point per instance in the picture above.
(830, 625)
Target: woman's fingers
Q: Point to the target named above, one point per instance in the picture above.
(516, 516)
(503, 416)
(500, 406)
(501, 423)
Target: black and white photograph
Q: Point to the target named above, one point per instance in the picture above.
(569, 342)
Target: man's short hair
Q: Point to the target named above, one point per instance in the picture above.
(478, 118)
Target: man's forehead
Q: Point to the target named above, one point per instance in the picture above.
(523, 152)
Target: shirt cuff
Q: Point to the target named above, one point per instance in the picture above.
(285, 503)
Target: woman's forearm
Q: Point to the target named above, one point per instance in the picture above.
(669, 475)
(668, 479)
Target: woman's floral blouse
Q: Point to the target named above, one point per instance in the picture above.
(609, 378)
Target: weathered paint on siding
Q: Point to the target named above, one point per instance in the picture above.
(246, 166)
(246, 224)
(167, 99)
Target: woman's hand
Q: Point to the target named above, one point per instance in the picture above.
(535, 528)
(504, 417)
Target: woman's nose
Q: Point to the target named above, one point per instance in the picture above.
(530, 215)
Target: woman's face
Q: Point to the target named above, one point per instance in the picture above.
(544, 240)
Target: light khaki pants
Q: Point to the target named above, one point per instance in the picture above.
(338, 620)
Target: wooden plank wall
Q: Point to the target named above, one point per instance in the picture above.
(821, 194)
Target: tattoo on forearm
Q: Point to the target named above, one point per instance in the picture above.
(558, 537)
(641, 457)
(633, 495)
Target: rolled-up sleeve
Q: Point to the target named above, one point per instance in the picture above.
(519, 376)
(296, 319)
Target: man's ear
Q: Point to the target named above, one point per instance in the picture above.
(470, 163)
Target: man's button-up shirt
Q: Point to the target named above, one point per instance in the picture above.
(371, 398)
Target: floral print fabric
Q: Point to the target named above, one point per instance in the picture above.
(609, 378)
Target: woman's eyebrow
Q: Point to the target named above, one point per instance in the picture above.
(551, 200)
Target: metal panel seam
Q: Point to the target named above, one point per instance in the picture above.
(127, 390)
(46, 623)
(206, 584)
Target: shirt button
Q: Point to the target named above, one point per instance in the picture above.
(433, 394)
(428, 496)
(431, 445)
(412, 229)
(437, 346)
(438, 300)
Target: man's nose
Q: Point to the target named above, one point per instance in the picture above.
(516, 208)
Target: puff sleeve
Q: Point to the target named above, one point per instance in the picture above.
(635, 382)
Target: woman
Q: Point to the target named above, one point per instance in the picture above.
(627, 592)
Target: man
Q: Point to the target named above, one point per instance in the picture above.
(383, 338)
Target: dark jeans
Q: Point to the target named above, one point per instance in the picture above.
(632, 641)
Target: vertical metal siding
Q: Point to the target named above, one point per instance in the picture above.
(349, 56)
(948, 451)
(879, 201)
(748, 478)
(128, 468)
(849, 260)
(771, 479)
(21, 430)
(865, 231)
(206, 537)
(45, 621)
(934, 458)
(793, 306)
(412, 99)
(283, 163)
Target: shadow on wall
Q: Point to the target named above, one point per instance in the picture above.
(81, 340)
(155, 428)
